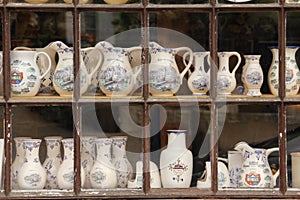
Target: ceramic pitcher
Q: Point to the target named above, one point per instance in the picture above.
(295, 157)
(223, 176)
(256, 171)
(63, 79)
(226, 81)
(292, 74)
(164, 77)
(198, 81)
(25, 73)
(43, 62)
(116, 77)
(252, 75)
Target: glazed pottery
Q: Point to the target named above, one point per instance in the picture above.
(138, 181)
(292, 74)
(25, 73)
(43, 62)
(198, 81)
(87, 157)
(115, 1)
(116, 77)
(32, 175)
(63, 79)
(252, 75)
(176, 161)
(223, 176)
(80, 1)
(235, 161)
(53, 160)
(226, 81)
(295, 169)
(256, 171)
(103, 173)
(164, 77)
(121, 163)
(18, 161)
(65, 173)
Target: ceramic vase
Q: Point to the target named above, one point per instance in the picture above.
(65, 173)
(252, 75)
(32, 175)
(226, 81)
(121, 163)
(18, 161)
(292, 74)
(103, 173)
(87, 157)
(176, 161)
(198, 81)
(53, 161)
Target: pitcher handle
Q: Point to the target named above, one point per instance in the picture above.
(100, 60)
(189, 53)
(234, 53)
(49, 62)
(268, 152)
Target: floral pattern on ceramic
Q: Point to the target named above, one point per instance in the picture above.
(256, 171)
(119, 160)
(164, 76)
(63, 79)
(252, 75)
(176, 161)
(199, 80)
(235, 161)
(116, 76)
(226, 81)
(65, 173)
(18, 161)
(53, 161)
(292, 74)
(103, 173)
(32, 175)
(87, 157)
(25, 74)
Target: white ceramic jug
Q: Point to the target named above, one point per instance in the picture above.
(226, 81)
(63, 79)
(199, 80)
(25, 73)
(164, 77)
(256, 171)
(116, 77)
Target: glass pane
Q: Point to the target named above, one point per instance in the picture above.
(293, 146)
(253, 36)
(178, 1)
(112, 146)
(247, 1)
(36, 153)
(35, 34)
(249, 131)
(292, 55)
(118, 37)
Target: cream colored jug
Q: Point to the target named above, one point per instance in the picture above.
(164, 77)
(116, 77)
(256, 171)
(63, 78)
(25, 73)
(226, 81)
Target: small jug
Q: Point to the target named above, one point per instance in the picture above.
(226, 81)
(164, 77)
(198, 81)
(256, 171)
(25, 73)
(63, 79)
(116, 77)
